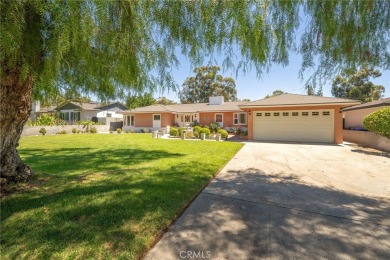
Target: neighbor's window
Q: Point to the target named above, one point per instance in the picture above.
(239, 118)
(285, 113)
(276, 114)
(326, 113)
(64, 116)
(267, 114)
(315, 113)
(305, 113)
(109, 114)
(259, 114)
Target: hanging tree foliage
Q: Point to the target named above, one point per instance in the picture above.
(111, 47)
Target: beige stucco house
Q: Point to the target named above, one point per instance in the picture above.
(353, 116)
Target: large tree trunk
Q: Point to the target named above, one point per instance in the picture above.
(15, 108)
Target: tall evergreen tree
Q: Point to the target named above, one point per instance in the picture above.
(357, 85)
(111, 47)
(207, 83)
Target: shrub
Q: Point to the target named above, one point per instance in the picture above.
(189, 135)
(42, 131)
(224, 134)
(145, 130)
(93, 130)
(181, 129)
(243, 133)
(173, 131)
(205, 130)
(378, 122)
(119, 130)
(214, 127)
(195, 123)
(62, 132)
(236, 131)
(111, 132)
(197, 128)
(130, 131)
(196, 134)
(46, 120)
(74, 130)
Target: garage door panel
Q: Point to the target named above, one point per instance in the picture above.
(312, 128)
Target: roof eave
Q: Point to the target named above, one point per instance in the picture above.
(303, 105)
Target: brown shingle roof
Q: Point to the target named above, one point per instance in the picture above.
(188, 108)
(376, 103)
(295, 99)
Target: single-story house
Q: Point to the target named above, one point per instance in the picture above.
(296, 118)
(353, 116)
(226, 114)
(73, 112)
(286, 117)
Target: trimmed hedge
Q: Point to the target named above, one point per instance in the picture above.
(173, 132)
(224, 134)
(378, 122)
(205, 130)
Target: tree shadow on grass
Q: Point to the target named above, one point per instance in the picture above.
(251, 214)
(117, 217)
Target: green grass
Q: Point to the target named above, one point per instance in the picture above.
(103, 196)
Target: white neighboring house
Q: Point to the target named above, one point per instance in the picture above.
(73, 112)
(108, 113)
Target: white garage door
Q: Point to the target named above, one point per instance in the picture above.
(294, 125)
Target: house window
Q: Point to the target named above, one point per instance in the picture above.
(187, 118)
(156, 117)
(240, 118)
(129, 120)
(75, 116)
(315, 113)
(267, 114)
(109, 115)
(326, 113)
(285, 113)
(305, 113)
(218, 118)
(276, 114)
(295, 114)
(64, 116)
(259, 114)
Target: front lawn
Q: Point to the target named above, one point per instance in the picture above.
(103, 196)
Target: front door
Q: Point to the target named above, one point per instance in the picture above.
(156, 121)
(219, 119)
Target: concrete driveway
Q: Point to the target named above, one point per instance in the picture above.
(278, 201)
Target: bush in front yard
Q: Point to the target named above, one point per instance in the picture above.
(42, 131)
(378, 122)
(93, 130)
(206, 131)
(181, 129)
(197, 128)
(173, 132)
(214, 127)
(224, 134)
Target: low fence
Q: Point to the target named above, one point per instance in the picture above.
(34, 130)
(367, 138)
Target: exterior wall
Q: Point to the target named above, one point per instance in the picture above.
(103, 114)
(209, 117)
(167, 119)
(88, 114)
(354, 118)
(34, 130)
(367, 138)
(143, 120)
(338, 119)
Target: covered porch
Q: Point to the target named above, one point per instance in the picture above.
(186, 119)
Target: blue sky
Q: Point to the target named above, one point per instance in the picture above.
(252, 87)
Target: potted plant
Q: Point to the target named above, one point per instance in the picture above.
(244, 135)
